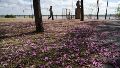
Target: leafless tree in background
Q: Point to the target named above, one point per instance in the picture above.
(106, 10)
(98, 9)
(91, 9)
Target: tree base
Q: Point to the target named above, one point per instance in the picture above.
(40, 29)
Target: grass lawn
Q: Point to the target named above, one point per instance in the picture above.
(15, 19)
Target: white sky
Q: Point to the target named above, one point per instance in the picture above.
(17, 6)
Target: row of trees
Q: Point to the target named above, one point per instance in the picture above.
(98, 9)
(118, 10)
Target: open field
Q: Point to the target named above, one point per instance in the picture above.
(64, 44)
(15, 19)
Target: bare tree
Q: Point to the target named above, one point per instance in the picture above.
(98, 9)
(38, 16)
(106, 10)
(82, 11)
(91, 9)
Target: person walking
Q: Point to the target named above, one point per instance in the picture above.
(51, 13)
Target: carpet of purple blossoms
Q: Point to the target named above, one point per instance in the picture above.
(73, 45)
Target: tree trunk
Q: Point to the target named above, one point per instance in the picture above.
(82, 11)
(98, 9)
(38, 16)
(106, 14)
(106, 10)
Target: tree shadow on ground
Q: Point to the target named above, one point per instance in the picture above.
(111, 29)
(2, 36)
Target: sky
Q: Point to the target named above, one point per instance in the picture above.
(23, 7)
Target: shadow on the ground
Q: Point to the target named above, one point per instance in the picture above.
(17, 35)
(112, 29)
(109, 27)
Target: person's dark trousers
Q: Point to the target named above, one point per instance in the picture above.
(51, 15)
